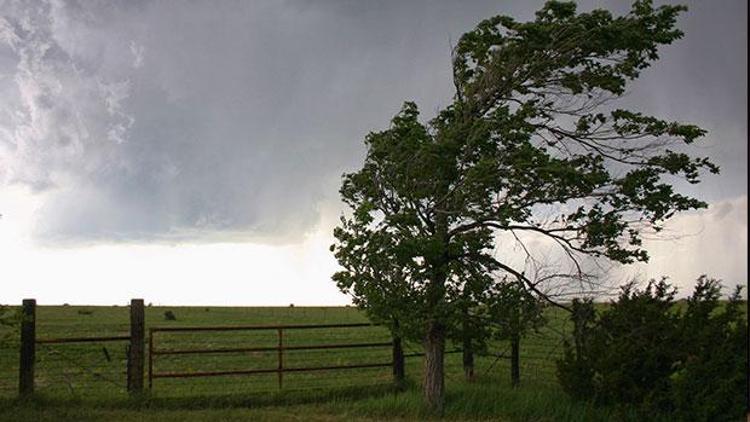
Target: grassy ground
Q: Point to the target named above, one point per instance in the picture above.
(482, 401)
(86, 382)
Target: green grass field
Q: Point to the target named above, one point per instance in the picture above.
(87, 381)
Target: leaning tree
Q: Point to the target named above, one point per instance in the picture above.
(532, 130)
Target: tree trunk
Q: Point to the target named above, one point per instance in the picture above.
(515, 360)
(398, 358)
(433, 385)
(515, 349)
(468, 360)
(468, 351)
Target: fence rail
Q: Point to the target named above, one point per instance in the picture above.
(81, 339)
(259, 327)
(267, 349)
(396, 363)
(266, 371)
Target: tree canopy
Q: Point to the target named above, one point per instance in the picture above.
(531, 142)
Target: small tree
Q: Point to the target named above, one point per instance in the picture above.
(530, 131)
(515, 311)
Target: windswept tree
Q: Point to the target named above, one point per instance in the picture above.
(531, 130)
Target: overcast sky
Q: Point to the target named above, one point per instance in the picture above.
(191, 152)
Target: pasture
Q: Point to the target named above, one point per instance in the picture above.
(87, 381)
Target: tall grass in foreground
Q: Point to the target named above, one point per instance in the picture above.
(484, 399)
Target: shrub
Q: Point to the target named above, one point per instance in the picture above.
(85, 312)
(574, 371)
(710, 382)
(642, 352)
(170, 316)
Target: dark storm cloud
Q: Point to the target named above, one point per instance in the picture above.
(217, 120)
(702, 78)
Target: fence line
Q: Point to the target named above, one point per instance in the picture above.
(396, 362)
(277, 356)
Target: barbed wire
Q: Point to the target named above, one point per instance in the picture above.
(83, 363)
(77, 364)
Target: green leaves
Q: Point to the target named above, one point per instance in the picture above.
(646, 353)
(581, 53)
(530, 128)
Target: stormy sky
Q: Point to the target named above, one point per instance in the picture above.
(170, 143)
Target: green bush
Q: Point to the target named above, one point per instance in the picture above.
(710, 381)
(574, 371)
(644, 352)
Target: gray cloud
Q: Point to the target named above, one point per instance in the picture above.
(220, 120)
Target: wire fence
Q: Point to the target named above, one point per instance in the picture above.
(95, 370)
(81, 370)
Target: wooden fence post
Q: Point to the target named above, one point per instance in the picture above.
(150, 358)
(398, 358)
(515, 364)
(281, 358)
(28, 348)
(136, 351)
